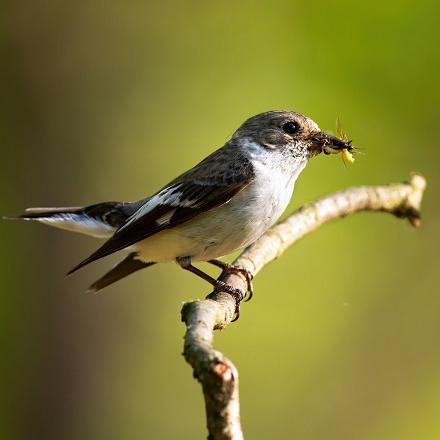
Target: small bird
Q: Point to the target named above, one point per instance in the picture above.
(224, 203)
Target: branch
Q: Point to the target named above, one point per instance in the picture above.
(217, 375)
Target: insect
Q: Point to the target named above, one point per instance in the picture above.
(346, 153)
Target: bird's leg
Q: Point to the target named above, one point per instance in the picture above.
(228, 267)
(185, 263)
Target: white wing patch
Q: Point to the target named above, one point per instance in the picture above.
(170, 196)
(173, 196)
(165, 219)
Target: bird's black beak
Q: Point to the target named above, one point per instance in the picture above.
(322, 140)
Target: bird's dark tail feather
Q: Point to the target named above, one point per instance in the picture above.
(127, 266)
(99, 220)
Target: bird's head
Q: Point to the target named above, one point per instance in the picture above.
(291, 133)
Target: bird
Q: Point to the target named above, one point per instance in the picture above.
(222, 204)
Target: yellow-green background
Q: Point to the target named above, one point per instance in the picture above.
(110, 100)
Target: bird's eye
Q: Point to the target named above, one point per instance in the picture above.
(290, 127)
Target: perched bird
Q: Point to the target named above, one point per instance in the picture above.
(224, 203)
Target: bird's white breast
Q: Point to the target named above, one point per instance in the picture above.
(233, 225)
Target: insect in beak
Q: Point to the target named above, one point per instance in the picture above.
(335, 145)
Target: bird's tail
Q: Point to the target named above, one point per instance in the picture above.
(100, 220)
(127, 266)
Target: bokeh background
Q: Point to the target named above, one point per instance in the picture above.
(110, 100)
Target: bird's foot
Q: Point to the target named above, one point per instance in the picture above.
(227, 267)
(237, 294)
(219, 285)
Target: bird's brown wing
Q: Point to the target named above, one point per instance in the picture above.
(209, 184)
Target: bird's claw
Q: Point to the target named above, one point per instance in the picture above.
(237, 294)
(246, 273)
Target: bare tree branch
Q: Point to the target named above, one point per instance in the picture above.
(217, 375)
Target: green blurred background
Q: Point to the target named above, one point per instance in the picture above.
(110, 100)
